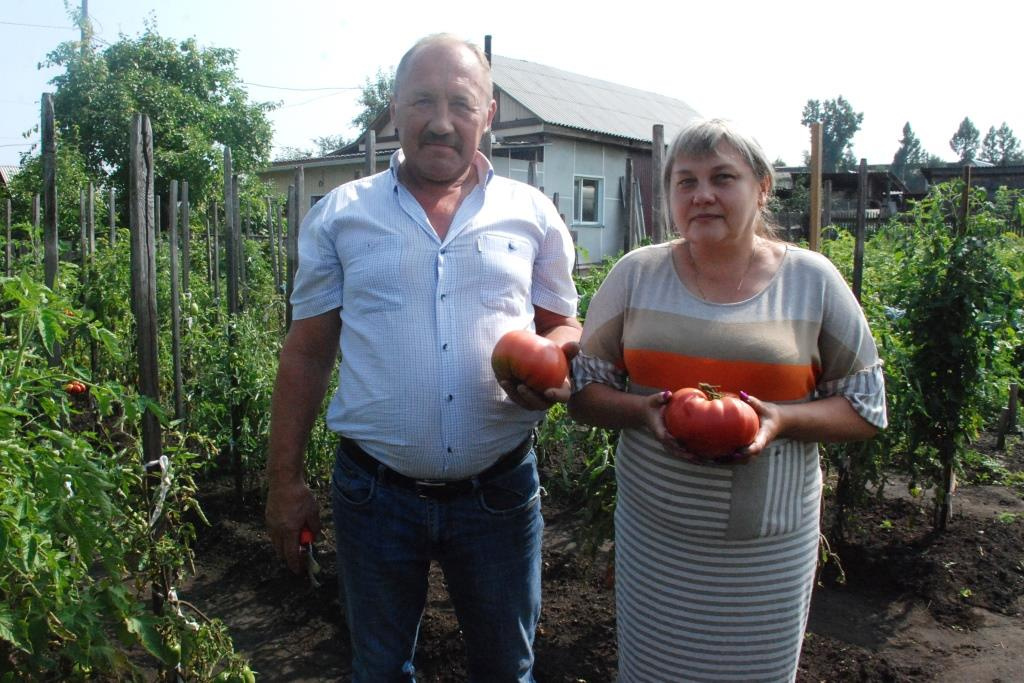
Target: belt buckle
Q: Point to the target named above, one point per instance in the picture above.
(428, 489)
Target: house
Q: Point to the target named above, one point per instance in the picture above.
(886, 194)
(987, 176)
(7, 172)
(567, 134)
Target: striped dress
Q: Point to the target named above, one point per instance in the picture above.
(715, 564)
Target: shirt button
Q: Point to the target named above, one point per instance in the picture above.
(443, 296)
(444, 251)
(444, 347)
(449, 397)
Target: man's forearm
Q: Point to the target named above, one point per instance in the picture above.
(303, 375)
(295, 404)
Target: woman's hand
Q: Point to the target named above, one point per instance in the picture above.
(768, 415)
(770, 424)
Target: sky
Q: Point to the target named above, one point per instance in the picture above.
(929, 63)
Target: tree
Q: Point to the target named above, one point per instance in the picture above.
(965, 141)
(72, 177)
(329, 143)
(1001, 147)
(910, 154)
(839, 123)
(375, 97)
(192, 96)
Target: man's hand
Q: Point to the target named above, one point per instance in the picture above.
(531, 399)
(289, 508)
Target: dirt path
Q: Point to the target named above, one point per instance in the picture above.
(915, 606)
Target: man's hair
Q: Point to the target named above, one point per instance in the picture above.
(442, 39)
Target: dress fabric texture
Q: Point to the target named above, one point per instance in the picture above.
(715, 564)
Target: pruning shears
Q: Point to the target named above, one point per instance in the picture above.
(306, 548)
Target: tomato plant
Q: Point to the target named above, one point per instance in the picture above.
(530, 358)
(710, 424)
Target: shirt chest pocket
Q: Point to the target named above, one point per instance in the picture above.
(505, 272)
(373, 276)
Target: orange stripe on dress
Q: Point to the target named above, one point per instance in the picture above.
(767, 381)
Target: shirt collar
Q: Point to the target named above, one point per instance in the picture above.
(484, 169)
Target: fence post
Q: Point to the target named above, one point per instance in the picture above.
(1008, 419)
(630, 222)
(814, 228)
(113, 228)
(91, 226)
(186, 238)
(8, 252)
(172, 254)
(862, 221)
(659, 231)
(36, 222)
(49, 192)
(144, 276)
(51, 257)
(370, 165)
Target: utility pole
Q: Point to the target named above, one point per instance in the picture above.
(83, 24)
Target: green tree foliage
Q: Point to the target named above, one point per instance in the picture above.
(72, 176)
(1001, 147)
(192, 96)
(965, 141)
(374, 98)
(910, 154)
(839, 123)
(329, 143)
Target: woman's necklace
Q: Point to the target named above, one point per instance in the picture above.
(696, 270)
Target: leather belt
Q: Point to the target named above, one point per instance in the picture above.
(437, 489)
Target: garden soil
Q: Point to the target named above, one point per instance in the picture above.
(895, 601)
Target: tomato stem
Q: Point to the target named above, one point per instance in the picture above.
(710, 390)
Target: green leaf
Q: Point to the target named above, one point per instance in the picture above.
(145, 628)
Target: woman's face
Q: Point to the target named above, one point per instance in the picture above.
(715, 198)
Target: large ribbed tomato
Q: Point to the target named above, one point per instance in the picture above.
(531, 359)
(710, 424)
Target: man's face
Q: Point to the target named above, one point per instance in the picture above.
(441, 110)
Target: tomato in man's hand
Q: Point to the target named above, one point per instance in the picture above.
(531, 359)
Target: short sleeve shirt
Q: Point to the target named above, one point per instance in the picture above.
(420, 315)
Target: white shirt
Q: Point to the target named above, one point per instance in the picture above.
(420, 316)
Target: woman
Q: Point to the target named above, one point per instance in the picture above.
(715, 561)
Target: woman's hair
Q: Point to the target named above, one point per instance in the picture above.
(700, 138)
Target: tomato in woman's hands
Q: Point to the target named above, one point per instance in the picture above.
(537, 362)
(709, 424)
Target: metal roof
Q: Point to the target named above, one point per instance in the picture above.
(563, 98)
(7, 172)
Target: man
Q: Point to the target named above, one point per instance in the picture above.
(419, 271)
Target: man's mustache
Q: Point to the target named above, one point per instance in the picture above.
(452, 141)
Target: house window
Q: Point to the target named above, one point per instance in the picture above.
(586, 205)
(314, 198)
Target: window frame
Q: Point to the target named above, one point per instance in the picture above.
(578, 182)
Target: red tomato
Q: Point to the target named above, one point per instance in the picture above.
(530, 358)
(710, 424)
(305, 536)
(75, 387)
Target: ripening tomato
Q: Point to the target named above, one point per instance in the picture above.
(75, 387)
(530, 358)
(710, 424)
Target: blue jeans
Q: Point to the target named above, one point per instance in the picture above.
(486, 542)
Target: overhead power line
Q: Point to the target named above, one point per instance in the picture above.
(15, 23)
(281, 87)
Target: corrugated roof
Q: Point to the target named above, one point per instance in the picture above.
(7, 172)
(568, 99)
